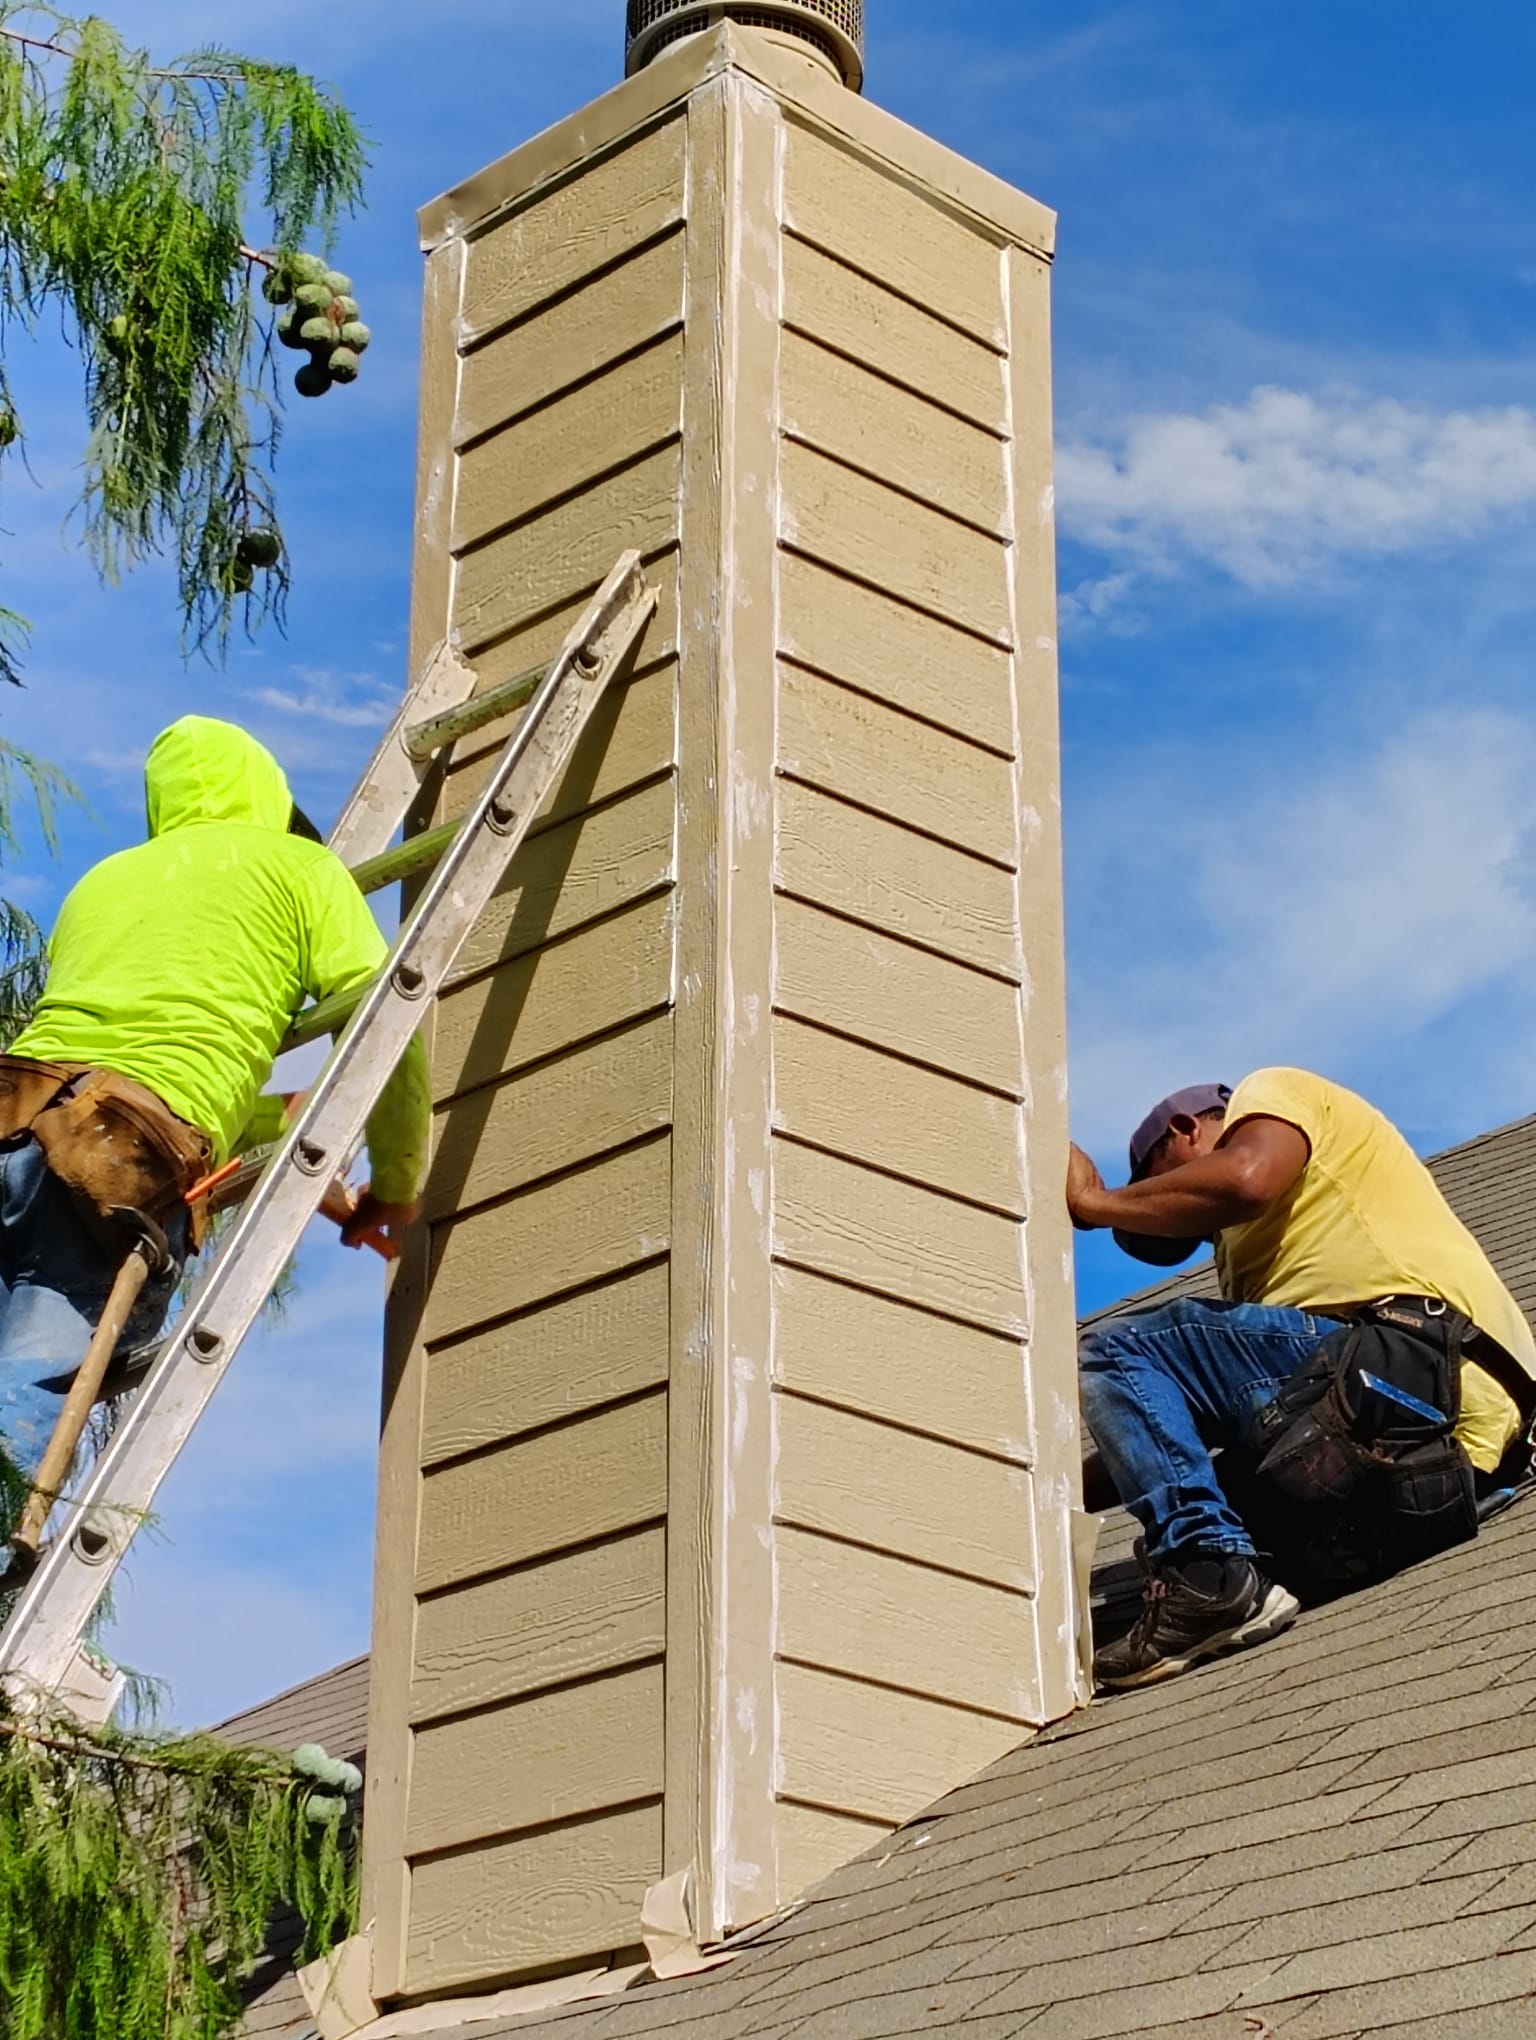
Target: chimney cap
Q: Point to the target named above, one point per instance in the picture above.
(830, 29)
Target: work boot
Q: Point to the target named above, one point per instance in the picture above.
(1197, 1608)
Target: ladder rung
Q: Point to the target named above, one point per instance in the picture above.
(325, 1017)
(425, 739)
(416, 853)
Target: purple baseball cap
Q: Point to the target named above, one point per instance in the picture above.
(1190, 1102)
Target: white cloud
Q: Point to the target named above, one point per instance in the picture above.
(1287, 485)
(1329, 917)
(345, 702)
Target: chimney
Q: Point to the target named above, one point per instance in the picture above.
(832, 30)
(728, 1495)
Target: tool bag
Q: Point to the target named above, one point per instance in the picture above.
(1356, 1456)
(110, 1141)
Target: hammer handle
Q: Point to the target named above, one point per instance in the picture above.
(60, 1455)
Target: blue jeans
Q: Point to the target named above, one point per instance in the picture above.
(1161, 1390)
(54, 1279)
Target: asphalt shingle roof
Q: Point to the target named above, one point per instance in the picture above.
(1325, 1838)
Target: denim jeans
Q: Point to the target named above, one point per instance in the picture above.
(54, 1279)
(1161, 1390)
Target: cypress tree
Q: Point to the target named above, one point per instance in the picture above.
(132, 196)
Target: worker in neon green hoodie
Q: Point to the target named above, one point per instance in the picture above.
(178, 965)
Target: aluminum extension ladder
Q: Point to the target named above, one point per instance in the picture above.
(41, 1658)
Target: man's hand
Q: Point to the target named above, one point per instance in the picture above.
(379, 1225)
(1083, 1180)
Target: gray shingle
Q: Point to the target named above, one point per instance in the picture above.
(1330, 1834)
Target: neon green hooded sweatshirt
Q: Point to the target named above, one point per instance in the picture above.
(181, 962)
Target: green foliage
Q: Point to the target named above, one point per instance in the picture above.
(139, 1877)
(23, 965)
(124, 195)
(140, 1873)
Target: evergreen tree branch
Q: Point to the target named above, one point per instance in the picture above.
(125, 191)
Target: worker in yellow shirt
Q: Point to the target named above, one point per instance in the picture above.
(1364, 1374)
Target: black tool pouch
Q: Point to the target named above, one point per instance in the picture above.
(1371, 1483)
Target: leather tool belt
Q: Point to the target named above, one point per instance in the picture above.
(110, 1141)
(1358, 1447)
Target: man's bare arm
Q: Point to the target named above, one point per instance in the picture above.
(1256, 1163)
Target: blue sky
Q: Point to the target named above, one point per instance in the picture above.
(1295, 301)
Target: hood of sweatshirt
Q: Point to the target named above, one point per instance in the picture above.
(203, 770)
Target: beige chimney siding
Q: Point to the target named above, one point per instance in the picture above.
(730, 1440)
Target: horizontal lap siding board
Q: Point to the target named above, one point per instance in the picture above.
(910, 1122)
(566, 550)
(881, 1358)
(860, 982)
(884, 431)
(573, 873)
(870, 868)
(597, 428)
(811, 1843)
(873, 1615)
(556, 1116)
(863, 529)
(555, 1361)
(507, 1905)
(874, 641)
(900, 1239)
(601, 976)
(566, 236)
(829, 301)
(871, 1484)
(875, 223)
(529, 642)
(560, 1619)
(863, 1750)
(616, 313)
(552, 1491)
(557, 1236)
(528, 1762)
(873, 754)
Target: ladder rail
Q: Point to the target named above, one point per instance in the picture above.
(391, 780)
(43, 1632)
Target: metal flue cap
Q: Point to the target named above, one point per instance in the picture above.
(832, 30)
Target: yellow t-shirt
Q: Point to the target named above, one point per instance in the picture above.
(1365, 1219)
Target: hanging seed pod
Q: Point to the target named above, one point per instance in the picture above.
(307, 268)
(259, 547)
(290, 326)
(356, 335)
(320, 332)
(337, 282)
(313, 379)
(313, 298)
(277, 286)
(313, 1760)
(344, 308)
(343, 365)
(239, 576)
